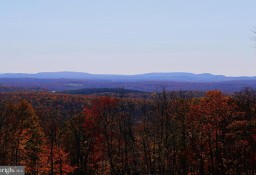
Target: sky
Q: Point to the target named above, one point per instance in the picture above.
(128, 36)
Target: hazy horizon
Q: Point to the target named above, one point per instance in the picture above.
(121, 74)
(128, 37)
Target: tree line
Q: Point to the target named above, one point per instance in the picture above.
(168, 133)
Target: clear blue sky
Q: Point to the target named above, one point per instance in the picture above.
(128, 36)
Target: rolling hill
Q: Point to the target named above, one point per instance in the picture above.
(61, 81)
(174, 76)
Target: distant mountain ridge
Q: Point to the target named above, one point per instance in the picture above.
(172, 76)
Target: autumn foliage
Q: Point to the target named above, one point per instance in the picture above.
(165, 133)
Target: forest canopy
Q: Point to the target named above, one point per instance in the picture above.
(165, 133)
